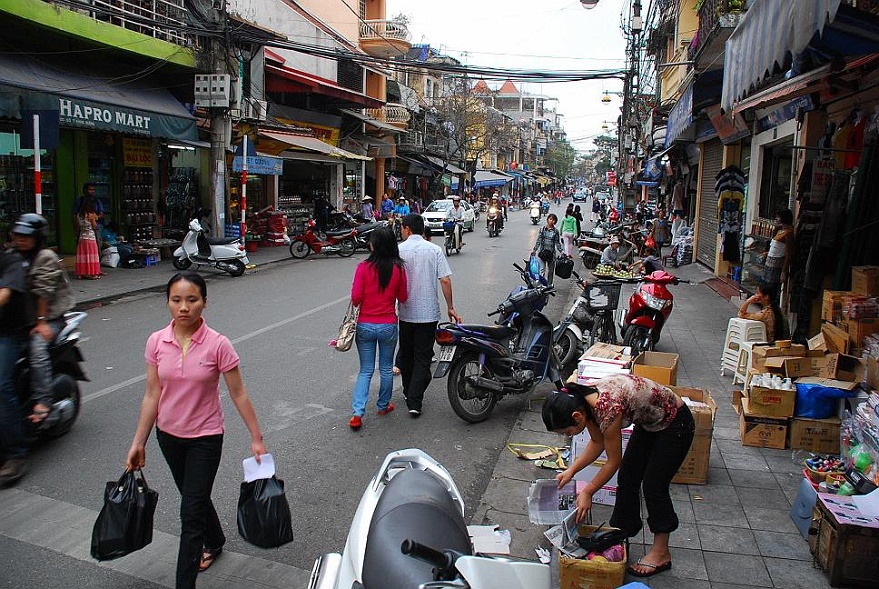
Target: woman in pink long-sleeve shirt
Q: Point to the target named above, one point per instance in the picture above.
(379, 282)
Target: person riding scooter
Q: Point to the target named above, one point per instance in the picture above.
(500, 209)
(455, 213)
(51, 296)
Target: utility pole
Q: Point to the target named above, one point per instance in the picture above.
(221, 131)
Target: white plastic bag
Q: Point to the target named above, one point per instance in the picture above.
(110, 257)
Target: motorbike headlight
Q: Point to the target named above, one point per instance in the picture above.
(492, 211)
(655, 302)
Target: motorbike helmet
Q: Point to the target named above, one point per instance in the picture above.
(31, 224)
(456, 198)
(614, 240)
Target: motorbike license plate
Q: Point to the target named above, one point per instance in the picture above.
(446, 354)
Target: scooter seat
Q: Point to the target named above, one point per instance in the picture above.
(492, 331)
(366, 227)
(418, 507)
(220, 240)
(338, 232)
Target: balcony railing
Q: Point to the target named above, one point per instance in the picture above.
(710, 13)
(384, 29)
(161, 19)
(393, 114)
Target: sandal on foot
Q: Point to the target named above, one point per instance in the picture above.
(656, 569)
(207, 558)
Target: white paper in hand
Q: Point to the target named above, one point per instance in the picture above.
(254, 471)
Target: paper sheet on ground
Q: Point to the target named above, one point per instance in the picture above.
(264, 470)
(489, 539)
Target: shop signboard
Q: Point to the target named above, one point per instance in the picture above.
(137, 153)
(260, 164)
(98, 116)
(785, 113)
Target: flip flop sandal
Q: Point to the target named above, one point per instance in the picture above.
(657, 568)
(207, 558)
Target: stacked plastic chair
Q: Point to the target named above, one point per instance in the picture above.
(738, 332)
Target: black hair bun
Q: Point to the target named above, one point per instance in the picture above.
(580, 389)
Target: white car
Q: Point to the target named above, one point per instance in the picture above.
(435, 215)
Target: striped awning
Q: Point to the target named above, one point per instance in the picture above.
(767, 33)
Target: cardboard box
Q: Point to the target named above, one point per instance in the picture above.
(829, 382)
(777, 364)
(761, 432)
(767, 402)
(609, 352)
(831, 304)
(659, 367)
(846, 551)
(607, 494)
(579, 573)
(578, 444)
(694, 469)
(815, 435)
(865, 280)
(858, 329)
(824, 366)
(835, 338)
(817, 344)
(794, 350)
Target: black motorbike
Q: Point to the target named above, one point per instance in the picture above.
(67, 371)
(494, 221)
(486, 362)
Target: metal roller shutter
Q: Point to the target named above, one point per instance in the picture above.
(712, 163)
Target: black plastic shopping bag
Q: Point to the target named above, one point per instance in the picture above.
(263, 513)
(125, 523)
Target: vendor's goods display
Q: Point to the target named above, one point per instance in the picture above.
(608, 271)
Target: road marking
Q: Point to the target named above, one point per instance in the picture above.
(66, 529)
(113, 388)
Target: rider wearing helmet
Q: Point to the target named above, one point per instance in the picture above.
(51, 297)
(495, 202)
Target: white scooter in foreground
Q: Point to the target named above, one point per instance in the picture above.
(226, 254)
(409, 531)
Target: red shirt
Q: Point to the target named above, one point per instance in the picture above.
(378, 306)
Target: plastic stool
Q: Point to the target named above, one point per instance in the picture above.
(738, 332)
(744, 363)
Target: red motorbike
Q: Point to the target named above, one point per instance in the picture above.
(341, 243)
(649, 308)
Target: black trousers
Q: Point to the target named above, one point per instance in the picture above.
(651, 460)
(413, 360)
(194, 463)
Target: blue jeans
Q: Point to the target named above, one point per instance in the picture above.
(384, 335)
(12, 442)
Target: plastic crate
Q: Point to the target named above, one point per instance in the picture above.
(604, 296)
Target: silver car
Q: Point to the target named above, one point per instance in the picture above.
(435, 214)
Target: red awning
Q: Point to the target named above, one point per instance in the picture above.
(281, 79)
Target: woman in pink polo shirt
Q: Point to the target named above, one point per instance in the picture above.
(379, 282)
(184, 364)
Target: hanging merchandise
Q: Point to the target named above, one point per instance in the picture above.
(729, 186)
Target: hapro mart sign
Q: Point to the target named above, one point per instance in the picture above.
(97, 116)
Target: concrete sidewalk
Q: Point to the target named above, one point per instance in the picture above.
(121, 282)
(735, 531)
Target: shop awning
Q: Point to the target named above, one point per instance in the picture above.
(284, 79)
(486, 179)
(772, 29)
(441, 165)
(375, 146)
(312, 144)
(86, 101)
(372, 122)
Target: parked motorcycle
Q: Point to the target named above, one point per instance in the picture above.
(536, 212)
(341, 243)
(649, 308)
(494, 222)
(409, 531)
(486, 362)
(223, 253)
(453, 231)
(66, 370)
(364, 233)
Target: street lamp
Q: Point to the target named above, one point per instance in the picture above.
(588, 4)
(605, 97)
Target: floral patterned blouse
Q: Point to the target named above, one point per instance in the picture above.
(639, 400)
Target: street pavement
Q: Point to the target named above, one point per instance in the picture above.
(735, 531)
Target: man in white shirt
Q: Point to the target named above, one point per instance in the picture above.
(426, 267)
